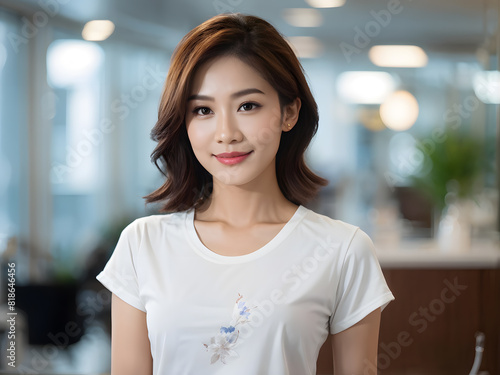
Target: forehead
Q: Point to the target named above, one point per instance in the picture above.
(227, 73)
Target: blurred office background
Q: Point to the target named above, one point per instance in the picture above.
(407, 138)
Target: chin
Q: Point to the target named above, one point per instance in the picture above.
(236, 179)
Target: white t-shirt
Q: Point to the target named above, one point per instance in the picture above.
(267, 312)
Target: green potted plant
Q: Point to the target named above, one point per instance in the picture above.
(457, 156)
(452, 165)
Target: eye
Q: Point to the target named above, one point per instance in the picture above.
(249, 106)
(202, 111)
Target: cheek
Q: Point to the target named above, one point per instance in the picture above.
(198, 135)
(268, 133)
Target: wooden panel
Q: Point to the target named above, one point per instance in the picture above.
(490, 311)
(431, 306)
(430, 327)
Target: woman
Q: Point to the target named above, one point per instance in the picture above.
(239, 277)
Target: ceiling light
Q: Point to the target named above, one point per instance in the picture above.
(72, 61)
(398, 56)
(306, 46)
(365, 87)
(325, 3)
(98, 30)
(303, 17)
(400, 111)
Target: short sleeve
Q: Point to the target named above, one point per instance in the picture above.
(362, 287)
(120, 273)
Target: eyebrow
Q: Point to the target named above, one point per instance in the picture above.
(233, 96)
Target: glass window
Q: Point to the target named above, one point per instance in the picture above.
(74, 72)
(13, 134)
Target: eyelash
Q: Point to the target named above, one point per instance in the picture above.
(255, 105)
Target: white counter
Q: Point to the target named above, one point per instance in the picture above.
(420, 253)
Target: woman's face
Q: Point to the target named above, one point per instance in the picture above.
(231, 108)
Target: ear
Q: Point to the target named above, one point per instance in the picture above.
(291, 115)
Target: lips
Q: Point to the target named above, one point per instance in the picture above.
(231, 154)
(232, 158)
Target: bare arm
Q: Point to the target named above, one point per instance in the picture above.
(355, 349)
(130, 348)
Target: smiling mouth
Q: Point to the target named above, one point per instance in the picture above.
(227, 155)
(232, 158)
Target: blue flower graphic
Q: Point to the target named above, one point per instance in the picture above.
(226, 329)
(244, 311)
(221, 346)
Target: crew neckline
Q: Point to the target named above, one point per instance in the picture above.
(205, 252)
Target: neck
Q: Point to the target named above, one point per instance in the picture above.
(258, 201)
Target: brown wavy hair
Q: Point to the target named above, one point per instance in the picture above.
(256, 42)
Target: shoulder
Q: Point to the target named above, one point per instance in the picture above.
(324, 225)
(154, 224)
(352, 239)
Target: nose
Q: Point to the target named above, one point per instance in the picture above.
(227, 130)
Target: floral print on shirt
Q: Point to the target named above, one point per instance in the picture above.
(222, 345)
